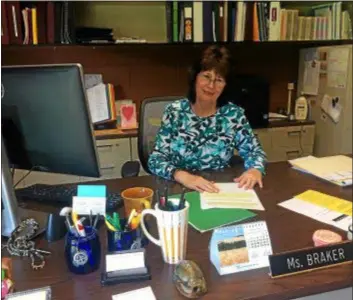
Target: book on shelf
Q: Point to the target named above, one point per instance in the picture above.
(49, 22)
(230, 21)
(37, 22)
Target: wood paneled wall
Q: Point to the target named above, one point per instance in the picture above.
(140, 71)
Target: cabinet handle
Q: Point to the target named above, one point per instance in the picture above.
(297, 132)
(108, 167)
(104, 146)
(293, 152)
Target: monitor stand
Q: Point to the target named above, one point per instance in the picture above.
(11, 213)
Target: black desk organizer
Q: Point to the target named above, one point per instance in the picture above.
(130, 275)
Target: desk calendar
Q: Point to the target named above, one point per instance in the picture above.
(240, 247)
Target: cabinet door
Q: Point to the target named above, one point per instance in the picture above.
(264, 137)
(113, 153)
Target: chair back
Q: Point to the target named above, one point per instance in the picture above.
(151, 112)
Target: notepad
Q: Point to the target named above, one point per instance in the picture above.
(205, 220)
(230, 195)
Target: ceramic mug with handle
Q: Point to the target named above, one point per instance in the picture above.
(173, 231)
(138, 198)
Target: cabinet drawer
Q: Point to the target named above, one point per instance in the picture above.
(285, 154)
(287, 137)
(110, 151)
(264, 138)
(308, 135)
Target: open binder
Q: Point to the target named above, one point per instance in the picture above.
(101, 101)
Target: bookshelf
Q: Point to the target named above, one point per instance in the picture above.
(156, 67)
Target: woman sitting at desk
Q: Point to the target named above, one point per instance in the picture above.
(202, 131)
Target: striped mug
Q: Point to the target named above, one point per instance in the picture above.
(173, 230)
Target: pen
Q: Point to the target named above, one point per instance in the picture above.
(159, 199)
(166, 203)
(182, 199)
(96, 221)
(90, 218)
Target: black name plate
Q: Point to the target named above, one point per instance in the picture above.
(309, 259)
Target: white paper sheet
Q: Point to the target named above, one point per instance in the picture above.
(125, 261)
(98, 103)
(318, 213)
(333, 111)
(231, 196)
(145, 293)
(311, 77)
(337, 67)
(84, 205)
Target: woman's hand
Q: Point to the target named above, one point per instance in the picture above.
(195, 182)
(249, 178)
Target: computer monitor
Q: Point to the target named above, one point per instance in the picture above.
(46, 124)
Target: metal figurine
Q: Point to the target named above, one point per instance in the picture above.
(189, 280)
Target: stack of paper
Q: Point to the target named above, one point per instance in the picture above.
(321, 207)
(336, 169)
(230, 195)
(143, 293)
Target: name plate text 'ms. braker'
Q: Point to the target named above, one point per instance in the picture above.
(309, 259)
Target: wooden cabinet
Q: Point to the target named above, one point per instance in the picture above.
(289, 142)
(279, 143)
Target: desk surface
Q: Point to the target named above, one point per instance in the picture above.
(288, 230)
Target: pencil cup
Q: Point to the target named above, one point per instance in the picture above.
(125, 240)
(173, 230)
(83, 253)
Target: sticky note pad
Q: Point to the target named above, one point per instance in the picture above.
(91, 191)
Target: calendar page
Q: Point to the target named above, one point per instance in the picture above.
(240, 247)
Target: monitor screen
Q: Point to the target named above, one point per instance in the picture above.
(45, 120)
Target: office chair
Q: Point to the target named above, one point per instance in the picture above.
(151, 112)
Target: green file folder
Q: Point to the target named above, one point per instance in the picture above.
(208, 219)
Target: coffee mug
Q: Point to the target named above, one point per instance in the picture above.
(172, 229)
(138, 198)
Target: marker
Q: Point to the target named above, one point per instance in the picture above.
(132, 214)
(80, 228)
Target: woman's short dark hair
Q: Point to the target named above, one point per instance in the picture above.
(215, 58)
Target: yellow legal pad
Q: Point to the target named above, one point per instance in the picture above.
(327, 201)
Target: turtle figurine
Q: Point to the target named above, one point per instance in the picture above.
(189, 280)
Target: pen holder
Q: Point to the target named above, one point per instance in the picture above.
(125, 240)
(83, 254)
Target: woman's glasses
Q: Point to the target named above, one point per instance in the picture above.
(207, 78)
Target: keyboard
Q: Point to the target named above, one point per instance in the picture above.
(60, 194)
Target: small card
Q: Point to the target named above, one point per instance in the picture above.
(91, 191)
(128, 116)
(145, 293)
(125, 260)
(84, 205)
(36, 294)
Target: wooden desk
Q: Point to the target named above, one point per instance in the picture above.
(288, 230)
